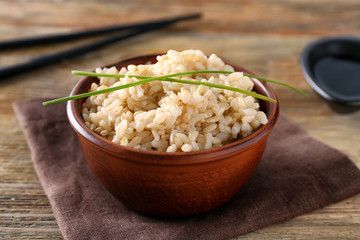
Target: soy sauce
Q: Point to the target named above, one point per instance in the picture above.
(340, 76)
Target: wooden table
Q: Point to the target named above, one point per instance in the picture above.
(264, 36)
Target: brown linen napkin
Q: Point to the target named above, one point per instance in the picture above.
(297, 174)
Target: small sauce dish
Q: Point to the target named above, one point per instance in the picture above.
(332, 68)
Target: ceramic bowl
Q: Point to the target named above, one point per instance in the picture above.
(171, 184)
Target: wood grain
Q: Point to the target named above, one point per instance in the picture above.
(267, 37)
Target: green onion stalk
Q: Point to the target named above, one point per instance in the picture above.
(170, 78)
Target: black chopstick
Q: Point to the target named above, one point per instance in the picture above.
(58, 56)
(47, 39)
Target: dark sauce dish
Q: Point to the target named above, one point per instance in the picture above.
(332, 68)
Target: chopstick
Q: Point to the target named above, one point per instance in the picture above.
(54, 38)
(58, 56)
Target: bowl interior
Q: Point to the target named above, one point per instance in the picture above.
(332, 68)
(270, 109)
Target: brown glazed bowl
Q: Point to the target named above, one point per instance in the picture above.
(171, 184)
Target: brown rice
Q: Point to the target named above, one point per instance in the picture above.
(173, 117)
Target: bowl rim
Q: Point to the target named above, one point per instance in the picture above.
(79, 126)
(306, 68)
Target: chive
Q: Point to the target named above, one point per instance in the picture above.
(169, 78)
(214, 85)
(149, 79)
(279, 83)
(92, 74)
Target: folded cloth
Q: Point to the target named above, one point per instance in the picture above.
(296, 175)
